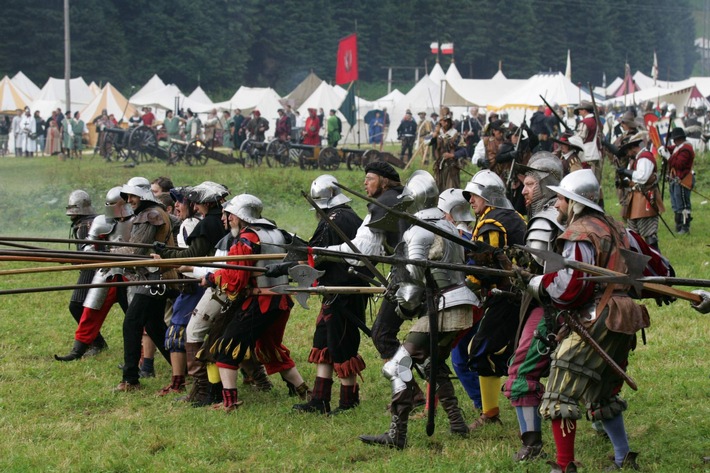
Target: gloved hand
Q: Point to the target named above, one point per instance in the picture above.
(660, 300)
(704, 306)
(522, 277)
(159, 246)
(624, 172)
(208, 281)
(279, 269)
(663, 151)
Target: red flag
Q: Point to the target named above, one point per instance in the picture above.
(434, 48)
(346, 68)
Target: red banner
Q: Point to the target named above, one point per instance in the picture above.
(447, 48)
(346, 67)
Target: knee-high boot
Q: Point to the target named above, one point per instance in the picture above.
(450, 403)
(198, 371)
(396, 436)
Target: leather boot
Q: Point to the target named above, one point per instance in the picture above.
(76, 352)
(198, 371)
(256, 373)
(678, 221)
(97, 347)
(629, 463)
(213, 395)
(320, 401)
(349, 399)
(396, 436)
(304, 392)
(450, 403)
(532, 447)
(571, 468)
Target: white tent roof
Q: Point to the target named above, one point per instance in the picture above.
(94, 88)
(155, 83)
(199, 95)
(25, 85)
(264, 99)
(303, 90)
(499, 75)
(555, 87)
(52, 96)
(11, 97)
(162, 98)
(453, 75)
(480, 92)
(681, 96)
(437, 73)
(110, 99)
(425, 96)
(388, 101)
(325, 97)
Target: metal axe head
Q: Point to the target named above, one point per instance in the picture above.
(553, 261)
(295, 251)
(304, 276)
(635, 264)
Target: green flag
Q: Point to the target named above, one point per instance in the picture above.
(347, 108)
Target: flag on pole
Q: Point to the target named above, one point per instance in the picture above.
(346, 67)
(447, 48)
(568, 69)
(654, 69)
(347, 108)
(434, 48)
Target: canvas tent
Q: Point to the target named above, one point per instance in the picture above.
(161, 100)
(247, 99)
(11, 97)
(52, 96)
(113, 102)
(681, 96)
(27, 87)
(154, 84)
(303, 90)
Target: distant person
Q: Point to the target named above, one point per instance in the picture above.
(283, 126)
(407, 133)
(334, 129)
(376, 129)
(16, 129)
(41, 132)
(28, 138)
(148, 118)
(5, 125)
(237, 128)
(78, 129)
(311, 130)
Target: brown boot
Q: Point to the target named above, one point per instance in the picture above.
(450, 403)
(532, 447)
(396, 436)
(256, 374)
(304, 392)
(198, 371)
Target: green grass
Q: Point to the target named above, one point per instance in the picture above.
(64, 417)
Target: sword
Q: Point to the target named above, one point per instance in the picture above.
(577, 327)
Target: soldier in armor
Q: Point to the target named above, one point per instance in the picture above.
(587, 130)
(259, 321)
(644, 204)
(82, 215)
(484, 156)
(681, 179)
(571, 153)
(498, 226)
(577, 372)
(197, 237)
(146, 309)
(417, 286)
(336, 339)
(531, 360)
(457, 210)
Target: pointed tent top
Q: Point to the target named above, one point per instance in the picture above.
(437, 73)
(499, 76)
(25, 84)
(453, 75)
(94, 88)
(153, 84)
(303, 90)
(110, 99)
(11, 97)
(199, 95)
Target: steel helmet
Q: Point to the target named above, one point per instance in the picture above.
(581, 187)
(138, 186)
(207, 191)
(248, 208)
(325, 194)
(421, 191)
(455, 204)
(487, 185)
(115, 206)
(79, 203)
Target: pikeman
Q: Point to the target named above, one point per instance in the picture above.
(441, 291)
(497, 225)
(531, 359)
(147, 307)
(643, 204)
(259, 321)
(336, 339)
(484, 156)
(81, 213)
(115, 226)
(681, 179)
(197, 237)
(570, 152)
(578, 373)
(587, 129)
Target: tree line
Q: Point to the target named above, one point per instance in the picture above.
(222, 44)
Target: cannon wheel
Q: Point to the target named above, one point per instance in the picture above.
(243, 151)
(353, 160)
(141, 141)
(277, 152)
(175, 153)
(306, 160)
(195, 153)
(370, 156)
(328, 159)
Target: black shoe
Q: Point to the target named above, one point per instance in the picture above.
(314, 405)
(146, 374)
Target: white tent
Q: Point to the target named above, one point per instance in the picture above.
(388, 101)
(480, 92)
(303, 90)
(11, 97)
(499, 75)
(52, 96)
(681, 96)
(199, 95)
(247, 99)
(425, 96)
(161, 99)
(325, 97)
(154, 84)
(112, 101)
(94, 88)
(452, 74)
(555, 87)
(437, 73)
(26, 85)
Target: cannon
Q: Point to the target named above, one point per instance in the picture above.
(195, 152)
(138, 144)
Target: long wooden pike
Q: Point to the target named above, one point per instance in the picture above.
(71, 287)
(172, 262)
(80, 242)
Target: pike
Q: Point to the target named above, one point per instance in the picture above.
(380, 277)
(598, 135)
(297, 253)
(172, 262)
(476, 246)
(668, 281)
(634, 261)
(577, 327)
(71, 287)
(559, 120)
(80, 242)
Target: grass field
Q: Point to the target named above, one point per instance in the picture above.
(59, 417)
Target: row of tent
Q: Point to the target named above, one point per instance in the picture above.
(437, 88)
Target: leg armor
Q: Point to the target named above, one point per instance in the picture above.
(399, 370)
